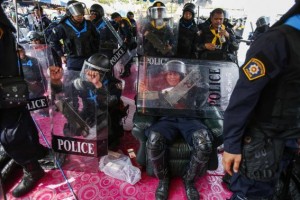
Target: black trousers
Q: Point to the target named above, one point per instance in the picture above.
(19, 135)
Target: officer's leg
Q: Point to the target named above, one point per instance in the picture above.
(201, 149)
(156, 151)
(20, 140)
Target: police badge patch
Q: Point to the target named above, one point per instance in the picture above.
(254, 69)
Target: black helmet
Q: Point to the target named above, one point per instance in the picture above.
(189, 7)
(175, 66)
(33, 35)
(98, 61)
(75, 8)
(158, 10)
(98, 9)
(262, 21)
(129, 14)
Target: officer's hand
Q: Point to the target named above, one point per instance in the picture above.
(231, 161)
(210, 46)
(63, 59)
(56, 74)
(225, 33)
(93, 77)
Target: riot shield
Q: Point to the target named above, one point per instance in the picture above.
(120, 55)
(80, 122)
(157, 37)
(35, 61)
(184, 88)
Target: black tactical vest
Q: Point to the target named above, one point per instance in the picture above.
(83, 45)
(283, 109)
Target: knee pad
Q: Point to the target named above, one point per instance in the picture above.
(156, 141)
(202, 142)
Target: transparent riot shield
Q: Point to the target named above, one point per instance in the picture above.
(184, 88)
(157, 37)
(35, 60)
(122, 53)
(80, 122)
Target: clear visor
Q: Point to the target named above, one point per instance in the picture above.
(158, 12)
(89, 70)
(77, 9)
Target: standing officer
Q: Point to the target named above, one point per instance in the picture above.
(217, 42)
(262, 119)
(262, 25)
(19, 136)
(188, 33)
(124, 28)
(107, 41)
(158, 37)
(79, 36)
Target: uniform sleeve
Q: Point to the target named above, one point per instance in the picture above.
(268, 56)
(57, 34)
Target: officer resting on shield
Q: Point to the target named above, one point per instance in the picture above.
(177, 94)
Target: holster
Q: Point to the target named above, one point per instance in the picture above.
(261, 156)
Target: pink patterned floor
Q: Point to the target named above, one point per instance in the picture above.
(98, 186)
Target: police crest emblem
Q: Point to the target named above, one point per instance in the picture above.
(254, 69)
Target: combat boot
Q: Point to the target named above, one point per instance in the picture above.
(162, 190)
(156, 147)
(32, 174)
(190, 189)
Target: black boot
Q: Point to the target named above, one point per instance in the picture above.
(198, 163)
(32, 174)
(156, 147)
(162, 190)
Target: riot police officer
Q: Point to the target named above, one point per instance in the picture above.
(188, 33)
(158, 37)
(19, 135)
(261, 121)
(217, 42)
(107, 42)
(262, 25)
(124, 28)
(79, 36)
(167, 128)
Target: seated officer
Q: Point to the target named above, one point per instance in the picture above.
(217, 41)
(167, 128)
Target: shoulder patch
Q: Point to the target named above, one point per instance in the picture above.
(254, 69)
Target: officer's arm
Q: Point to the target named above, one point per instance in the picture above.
(54, 40)
(271, 51)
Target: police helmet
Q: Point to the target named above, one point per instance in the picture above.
(190, 7)
(130, 14)
(98, 9)
(97, 61)
(262, 21)
(33, 35)
(76, 8)
(158, 10)
(175, 66)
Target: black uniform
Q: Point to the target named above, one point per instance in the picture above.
(19, 135)
(225, 51)
(187, 39)
(80, 42)
(263, 113)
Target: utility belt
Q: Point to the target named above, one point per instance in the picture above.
(261, 155)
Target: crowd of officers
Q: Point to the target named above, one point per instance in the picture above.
(74, 39)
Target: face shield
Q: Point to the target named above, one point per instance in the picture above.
(90, 71)
(158, 12)
(262, 21)
(77, 9)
